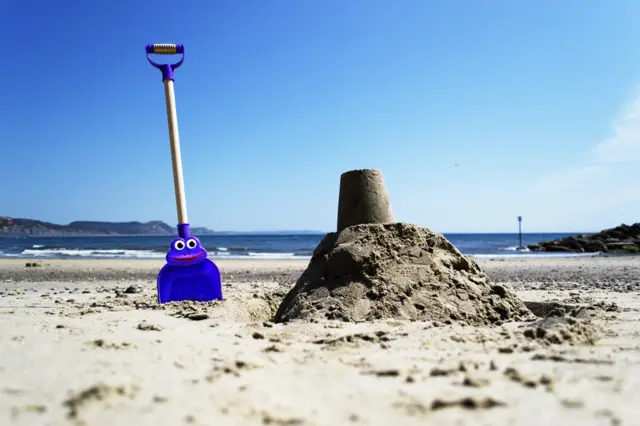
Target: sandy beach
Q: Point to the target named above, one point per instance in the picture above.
(84, 342)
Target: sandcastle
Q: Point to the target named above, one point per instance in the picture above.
(375, 268)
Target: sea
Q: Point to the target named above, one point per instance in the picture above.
(247, 246)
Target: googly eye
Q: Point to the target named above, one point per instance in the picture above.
(191, 243)
(179, 245)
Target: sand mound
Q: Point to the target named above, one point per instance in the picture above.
(257, 306)
(398, 270)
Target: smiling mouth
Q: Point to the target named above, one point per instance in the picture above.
(187, 258)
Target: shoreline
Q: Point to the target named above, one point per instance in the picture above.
(245, 247)
(613, 272)
(14, 261)
(259, 257)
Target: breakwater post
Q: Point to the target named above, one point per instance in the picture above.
(520, 247)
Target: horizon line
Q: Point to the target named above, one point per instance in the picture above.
(290, 231)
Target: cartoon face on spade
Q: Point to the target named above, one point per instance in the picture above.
(186, 252)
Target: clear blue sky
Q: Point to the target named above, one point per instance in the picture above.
(476, 112)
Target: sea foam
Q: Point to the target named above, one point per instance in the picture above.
(140, 254)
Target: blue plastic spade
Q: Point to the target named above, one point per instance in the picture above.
(188, 274)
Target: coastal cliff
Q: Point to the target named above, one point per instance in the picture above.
(621, 239)
(30, 227)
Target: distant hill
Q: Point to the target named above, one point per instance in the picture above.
(30, 227)
(154, 227)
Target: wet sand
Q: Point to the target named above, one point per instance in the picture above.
(83, 342)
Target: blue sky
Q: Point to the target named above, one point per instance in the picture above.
(476, 112)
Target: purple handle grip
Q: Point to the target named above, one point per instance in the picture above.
(184, 230)
(165, 49)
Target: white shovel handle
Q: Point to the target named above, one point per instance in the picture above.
(176, 159)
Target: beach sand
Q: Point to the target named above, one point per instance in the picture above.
(83, 342)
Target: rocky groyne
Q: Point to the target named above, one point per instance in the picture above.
(619, 240)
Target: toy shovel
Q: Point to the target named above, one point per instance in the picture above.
(188, 274)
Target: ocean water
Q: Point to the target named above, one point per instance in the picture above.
(248, 246)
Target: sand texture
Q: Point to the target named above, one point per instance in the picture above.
(83, 342)
(396, 271)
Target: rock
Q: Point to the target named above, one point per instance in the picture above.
(572, 243)
(622, 239)
(595, 246)
(145, 326)
(628, 249)
(397, 270)
(619, 245)
(198, 316)
(558, 248)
